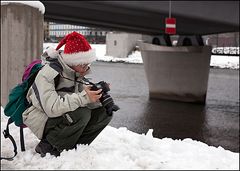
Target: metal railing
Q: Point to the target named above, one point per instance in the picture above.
(231, 51)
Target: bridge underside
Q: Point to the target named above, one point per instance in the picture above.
(193, 17)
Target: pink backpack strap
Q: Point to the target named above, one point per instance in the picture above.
(29, 68)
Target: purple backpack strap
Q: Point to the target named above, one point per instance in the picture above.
(29, 68)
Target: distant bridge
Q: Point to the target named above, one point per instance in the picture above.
(148, 17)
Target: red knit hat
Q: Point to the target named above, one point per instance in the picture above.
(77, 50)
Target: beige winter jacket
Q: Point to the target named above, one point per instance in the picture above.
(48, 101)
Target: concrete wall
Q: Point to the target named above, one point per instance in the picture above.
(222, 40)
(147, 38)
(120, 44)
(21, 42)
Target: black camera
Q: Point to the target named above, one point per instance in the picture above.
(106, 100)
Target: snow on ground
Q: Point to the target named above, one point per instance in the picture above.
(231, 62)
(120, 149)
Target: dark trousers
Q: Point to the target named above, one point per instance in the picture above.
(82, 127)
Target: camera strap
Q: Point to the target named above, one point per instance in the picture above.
(86, 81)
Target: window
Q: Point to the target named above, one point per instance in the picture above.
(115, 43)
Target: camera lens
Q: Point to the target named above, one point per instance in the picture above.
(108, 103)
(106, 99)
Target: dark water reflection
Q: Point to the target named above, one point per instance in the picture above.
(177, 120)
(215, 123)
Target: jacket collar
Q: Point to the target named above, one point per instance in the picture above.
(66, 68)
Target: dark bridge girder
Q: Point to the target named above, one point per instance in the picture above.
(148, 17)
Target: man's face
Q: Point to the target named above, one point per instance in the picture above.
(82, 69)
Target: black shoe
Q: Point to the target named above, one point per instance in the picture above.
(45, 147)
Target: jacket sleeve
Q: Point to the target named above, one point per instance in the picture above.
(48, 99)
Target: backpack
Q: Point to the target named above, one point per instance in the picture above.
(17, 103)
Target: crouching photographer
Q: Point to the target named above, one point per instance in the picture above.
(67, 109)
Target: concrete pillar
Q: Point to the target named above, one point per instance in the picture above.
(21, 42)
(177, 73)
(121, 44)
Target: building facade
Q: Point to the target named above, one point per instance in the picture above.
(53, 32)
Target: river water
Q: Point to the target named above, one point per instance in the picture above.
(216, 123)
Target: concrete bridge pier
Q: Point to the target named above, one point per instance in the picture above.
(21, 42)
(177, 73)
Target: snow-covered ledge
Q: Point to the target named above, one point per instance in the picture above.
(21, 40)
(34, 4)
